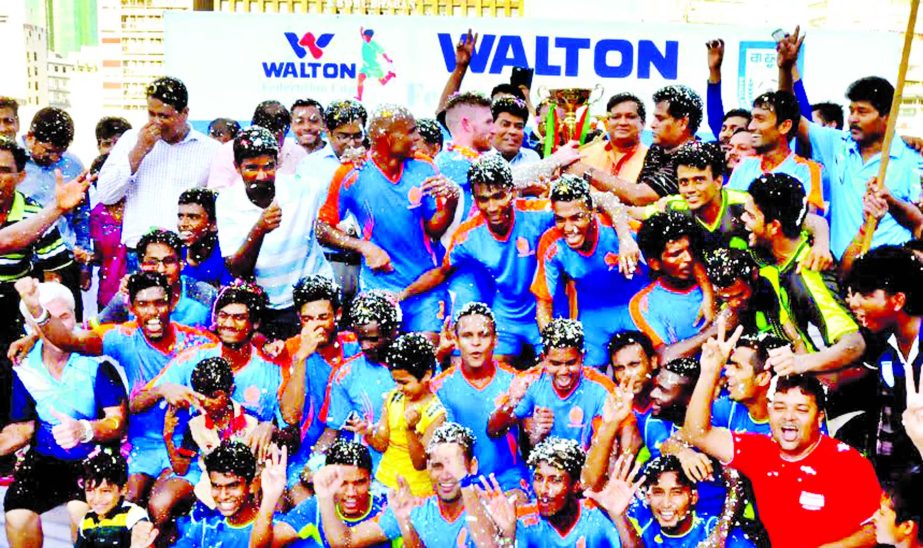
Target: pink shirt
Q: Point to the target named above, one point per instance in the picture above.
(223, 174)
(106, 233)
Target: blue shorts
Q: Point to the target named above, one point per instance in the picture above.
(514, 336)
(149, 459)
(424, 312)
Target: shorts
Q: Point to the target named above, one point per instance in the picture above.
(41, 483)
(424, 312)
(148, 459)
(513, 337)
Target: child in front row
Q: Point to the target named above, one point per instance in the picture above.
(112, 521)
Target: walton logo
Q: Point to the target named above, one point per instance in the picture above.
(301, 46)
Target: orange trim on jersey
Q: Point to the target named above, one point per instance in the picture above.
(330, 210)
(539, 285)
(336, 375)
(816, 194)
(573, 305)
(537, 204)
(593, 375)
(634, 308)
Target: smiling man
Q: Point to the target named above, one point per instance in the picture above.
(623, 154)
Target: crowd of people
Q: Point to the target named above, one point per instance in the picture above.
(337, 327)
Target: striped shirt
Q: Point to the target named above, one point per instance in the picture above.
(289, 252)
(152, 192)
(45, 254)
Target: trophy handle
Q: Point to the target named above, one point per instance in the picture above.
(602, 91)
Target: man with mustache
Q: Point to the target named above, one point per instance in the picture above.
(623, 154)
(266, 228)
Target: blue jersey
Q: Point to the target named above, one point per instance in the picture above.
(806, 171)
(207, 527)
(431, 526)
(471, 406)
(85, 388)
(665, 314)
(727, 413)
(357, 386)
(391, 214)
(256, 385)
(453, 162)
(653, 536)
(591, 530)
(212, 270)
(509, 259)
(600, 291)
(305, 519)
(577, 414)
(143, 362)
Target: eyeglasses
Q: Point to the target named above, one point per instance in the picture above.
(166, 261)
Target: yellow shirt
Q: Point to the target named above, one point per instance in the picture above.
(604, 157)
(396, 459)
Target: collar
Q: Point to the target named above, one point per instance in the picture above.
(914, 349)
(898, 147)
(237, 423)
(325, 151)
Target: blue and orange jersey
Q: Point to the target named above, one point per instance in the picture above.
(472, 406)
(305, 519)
(577, 414)
(453, 162)
(808, 172)
(257, 386)
(391, 214)
(143, 361)
(727, 413)
(510, 259)
(591, 529)
(432, 526)
(665, 314)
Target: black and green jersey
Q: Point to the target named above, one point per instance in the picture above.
(112, 531)
(727, 231)
(45, 254)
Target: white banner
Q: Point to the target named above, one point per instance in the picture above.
(230, 62)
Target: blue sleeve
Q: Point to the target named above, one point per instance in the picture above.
(176, 373)
(79, 220)
(825, 143)
(302, 515)
(190, 531)
(714, 108)
(721, 412)
(109, 389)
(388, 524)
(115, 312)
(803, 104)
(22, 405)
(338, 406)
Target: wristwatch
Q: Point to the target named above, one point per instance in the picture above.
(588, 175)
(87, 431)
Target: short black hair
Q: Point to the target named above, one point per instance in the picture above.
(808, 384)
(737, 113)
(490, 170)
(625, 97)
(170, 91)
(139, 281)
(624, 339)
(784, 105)
(508, 89)
(211, 375)
(724, 266)
(780, 197)
(560, 453)
(158, 236)
(273, 116)
(686, 367)
(255, 141)
(349, 453)
(106, 465)
(429, 130)
(663, 465)
(98, 163)
(510, 105)
(876, 90)
(376, 306)
(906, 493)
(682, 102)
(202, 196)
(248, 294)
(893, 269)
(233, 458)
(452, 432)
(570, 188)
(830, 112)
(218, 124)
(563, 333)
(475, 308)
(111, 126)
(53, 125)
(413, 353)
(761, 344)
(307, 102)
(316, 287)
(10, 103)
(347, 111)
(20, 156)
(662, 228)
(701, 155)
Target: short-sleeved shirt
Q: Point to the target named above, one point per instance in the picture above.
(431, 526)
(143, 362)
(666, 314)
(821, 498)
(40, 183)
(849, 173)
(806, 171)
(193, 308)
(86, 387)
(727, 413)
(114, 530)
(576, 414)
(306, 520)
(509, 259)
(653, 536)
(44, 254)
(453, 161)
(256, 386)
(810, 299)
(728, 230)
(210, 528)
(391, 214)
(591, 529)
(211, 270)
(659, 172)
(288, 253)
(396, 459)
(472, 406)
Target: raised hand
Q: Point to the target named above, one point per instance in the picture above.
(782, 361)
(148, 136)
(542, 423)
(270, 218)
(181, 396)
(697, 466)
(69, 433)
(312, 336)
(465, 49)
(28, 293)
(618, 405)
(439, 186)
(401, 500)
(501, 509)
(716, 351)
(143, 534)
(518, 387)
(913, 415)
(788, 49)
(272, 478)
(327, 481)
(616, 496)
(715, 55)
(566, 154)
(69, 195)
(260, 439)
(446, 338)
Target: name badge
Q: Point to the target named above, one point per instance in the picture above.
(811, 501)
